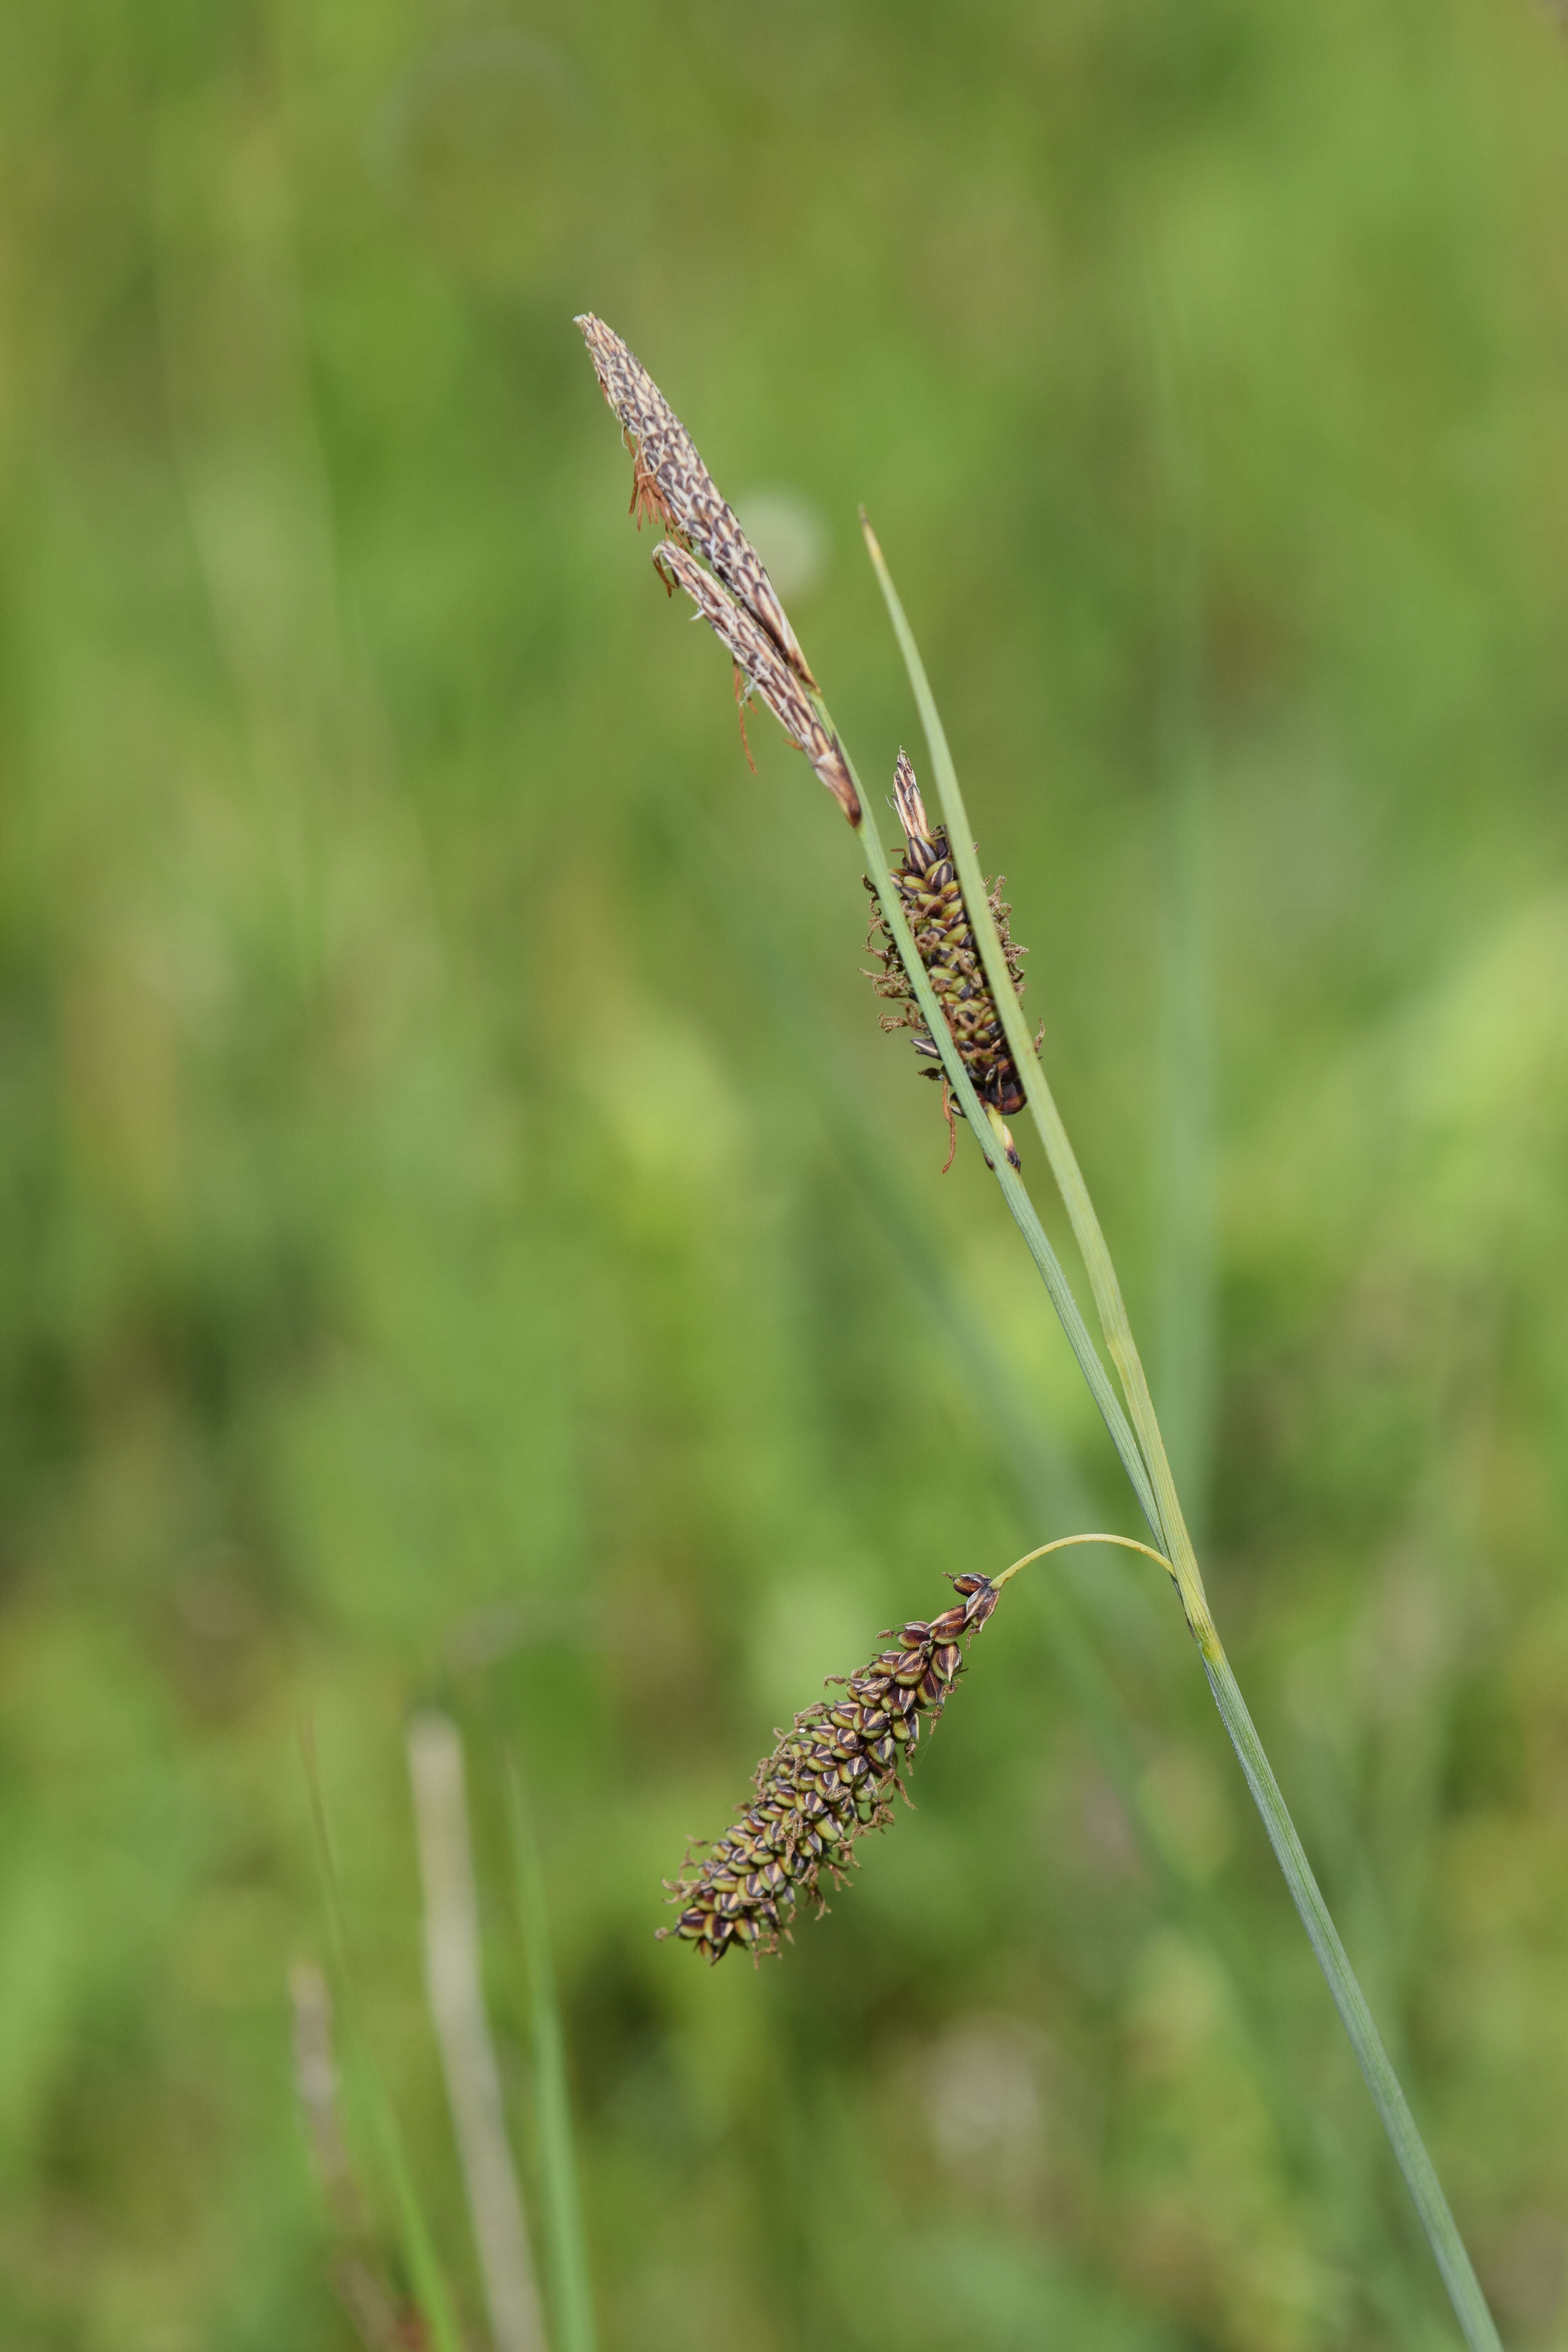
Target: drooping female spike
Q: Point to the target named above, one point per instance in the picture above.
(672, 484)
(829, 1780)
(927, 882)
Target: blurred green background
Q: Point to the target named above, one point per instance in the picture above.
(465, 1241)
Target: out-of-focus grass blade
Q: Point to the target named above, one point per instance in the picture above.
(571, 2299)
(1185, 1335)
(1185, 1344)
(454, 1983)
(427, 2278)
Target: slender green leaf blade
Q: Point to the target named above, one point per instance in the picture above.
(570, 2276)
(1388, 2097)
(427, 2277)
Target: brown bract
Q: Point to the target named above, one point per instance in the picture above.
(762, 672)
(671, 484)
(829, 1780)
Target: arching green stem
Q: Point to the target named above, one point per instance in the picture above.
(1065, 1543)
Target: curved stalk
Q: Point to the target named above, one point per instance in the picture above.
(1065, 1543)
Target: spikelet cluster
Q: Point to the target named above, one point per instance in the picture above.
(831, 1778)
(671, 486)
(928, 884)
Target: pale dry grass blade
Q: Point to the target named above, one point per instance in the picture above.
(436, 2314)
(462, 2031)
(381, 2322)
(316, 2081)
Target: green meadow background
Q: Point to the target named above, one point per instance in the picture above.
(466, 1242)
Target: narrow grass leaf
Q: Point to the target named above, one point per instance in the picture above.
(454, 1988)
(1377, 2068)
(427, 2278)
(571, 2297)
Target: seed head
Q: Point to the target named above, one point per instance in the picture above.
(829, 1780)
(927, 882)
(672, 484)
(761, 670)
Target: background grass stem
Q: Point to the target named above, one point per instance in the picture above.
(426, 2276)
(452, 1971)
(572, 2298)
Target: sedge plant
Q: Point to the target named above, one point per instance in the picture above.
(952, 973)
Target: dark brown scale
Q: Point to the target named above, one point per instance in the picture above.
(831, 1778)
